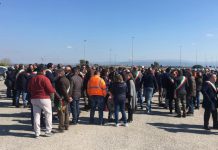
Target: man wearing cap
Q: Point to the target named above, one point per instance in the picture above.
(40, 89)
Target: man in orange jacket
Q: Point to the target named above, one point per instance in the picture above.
(96, 89)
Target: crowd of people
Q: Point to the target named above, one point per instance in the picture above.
(49, 90)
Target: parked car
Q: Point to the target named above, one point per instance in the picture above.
(2, 73)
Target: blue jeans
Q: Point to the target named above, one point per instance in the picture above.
(97, 101)
(119, 105)
(24, 97)
(74, 105)
(148, 92)
(190, 104)
(140, 97)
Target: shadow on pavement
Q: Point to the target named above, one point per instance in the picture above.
(184, 128)
(5, 104)
(154, 112)
(84, 120)
(17, 115)
(13, 130)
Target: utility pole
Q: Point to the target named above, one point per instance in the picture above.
(84, 51)
(110, 56)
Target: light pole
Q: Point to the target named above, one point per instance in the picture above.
(110, 56)
(132, 48)
(115, 59)
(84, 52)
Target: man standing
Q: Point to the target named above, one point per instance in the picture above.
(209, 92)
(96, 89)
(21, 82)
(149, 83)
(180, 94)
(62, 99)
(76, 83)
(40, 89)
(191, 93)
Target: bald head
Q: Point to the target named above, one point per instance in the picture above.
(212, 78)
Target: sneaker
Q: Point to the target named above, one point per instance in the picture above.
(36, 136)
(117, 125)
(49, 134)
(126, 125)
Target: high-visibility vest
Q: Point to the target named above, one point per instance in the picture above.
(96, 86)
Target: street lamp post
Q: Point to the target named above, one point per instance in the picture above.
(84, 52)
(110, 56)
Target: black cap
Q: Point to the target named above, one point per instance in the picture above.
(49, 65)
(41, 68)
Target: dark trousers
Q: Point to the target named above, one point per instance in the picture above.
(181, 99)
(8, 92)
(119, 105)
(170, 104)
(197, 103)
(207, 113)
(130, 110)
(14, 97)
(97, 101)
(74, 105)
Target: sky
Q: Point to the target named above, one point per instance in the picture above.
(59, 30)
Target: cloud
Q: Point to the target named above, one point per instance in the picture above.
(69, 46)
(209, 35)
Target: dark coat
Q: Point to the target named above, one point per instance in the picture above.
(182, 90)
(76, 83)
(21, 82)
(50, 75)
(170, 87)
(9, 79)
(191, 91)
(119, 91)
(62, 86)
(199, 83)
(209, 97)
(149, 81)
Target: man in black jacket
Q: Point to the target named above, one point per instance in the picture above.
(209, 92)
(20, 84)
(150, 86)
